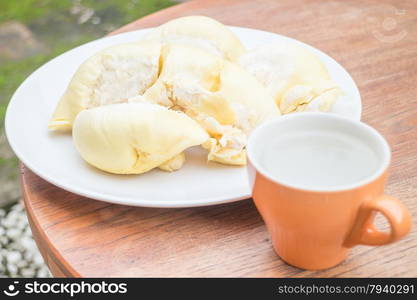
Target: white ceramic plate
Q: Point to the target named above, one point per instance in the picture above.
(53, 156)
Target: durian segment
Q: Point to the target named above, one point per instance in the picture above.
(249, 99)
(226, 101)
(133, 138)
(293, 75)
(112, 75)
(174, 163)
(202, 32)
(188, 81)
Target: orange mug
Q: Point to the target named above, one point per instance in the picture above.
(318, 180)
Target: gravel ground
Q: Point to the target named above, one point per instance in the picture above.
(19, 255)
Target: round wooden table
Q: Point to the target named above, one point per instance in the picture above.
(376, 41)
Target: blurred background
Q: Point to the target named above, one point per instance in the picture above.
(31, 33)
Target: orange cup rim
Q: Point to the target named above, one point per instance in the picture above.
(302, 115)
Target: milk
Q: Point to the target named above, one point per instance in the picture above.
(317, 160)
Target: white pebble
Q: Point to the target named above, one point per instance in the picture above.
(21, 225)
(42, 273)
(13, 215)
(27, 232)
(17, 207)
(21, 263)
(12, 269)
(28, 255)
(28, 243)
(7, 222)
(27, 272)
(38, 259)
(13, 257)
(4, 240)
(13, 233)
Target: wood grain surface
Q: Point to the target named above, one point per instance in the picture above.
(376, 41)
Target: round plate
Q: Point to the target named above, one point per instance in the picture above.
(53, 157)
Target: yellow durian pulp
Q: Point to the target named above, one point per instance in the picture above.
(112, 75)
(293, 75)
(202, 32)
(133, 138)
(191, 66)
(221, 96)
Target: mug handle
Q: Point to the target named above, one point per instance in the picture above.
(364, 231)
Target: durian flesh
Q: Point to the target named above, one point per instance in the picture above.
(223, 98)
(133, 138)
(202, 32)
(112, 75)
(293, 75)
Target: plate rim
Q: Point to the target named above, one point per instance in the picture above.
(141, 202)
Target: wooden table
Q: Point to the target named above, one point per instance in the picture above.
(375, 42)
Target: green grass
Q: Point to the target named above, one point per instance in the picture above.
(28, 10)
(57, 28)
